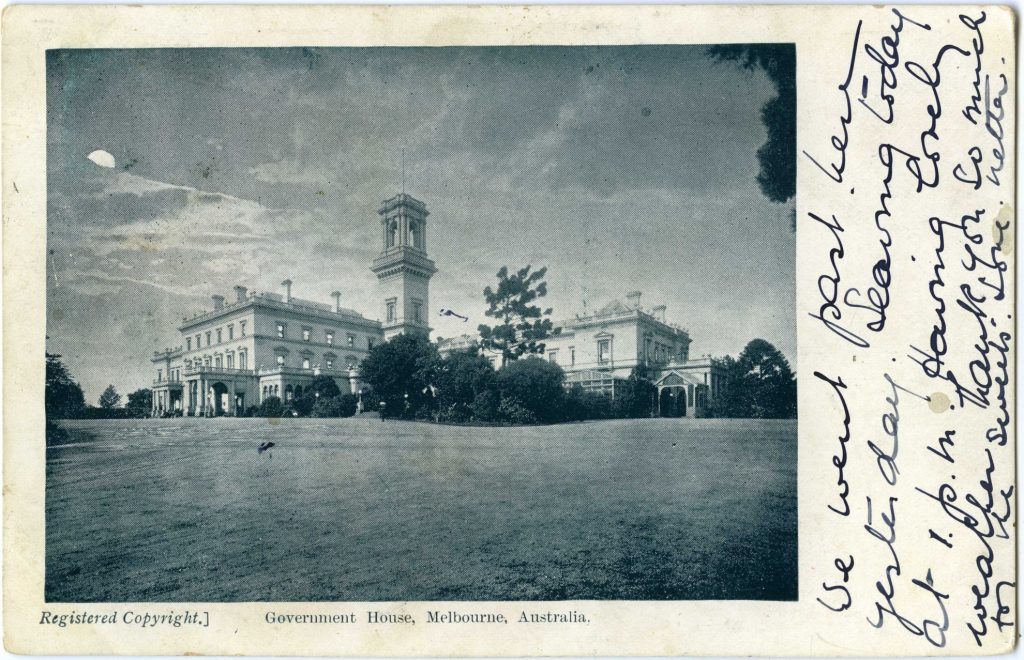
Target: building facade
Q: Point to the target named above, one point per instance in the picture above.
(267, 344)
(599, 350)
(264, 344)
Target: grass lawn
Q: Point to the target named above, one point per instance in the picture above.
(362, 509)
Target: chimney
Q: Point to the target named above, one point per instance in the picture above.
(337, 300)
(633, 298)
(240, 293)
(218, 302)
(659, 313)
(287, 284)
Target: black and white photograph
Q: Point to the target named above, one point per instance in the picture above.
(468, 323)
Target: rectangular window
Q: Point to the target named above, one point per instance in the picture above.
(219, 362)
(231, 361)
(209, 336)
(369, 343)
(330, 338)
(553, 356)
(604, 347)
(219, 336)
(572, 356)
(416, 312)
(231, 332)
(280, 360)
(305, 363)
(391, 305)
(242, 324)
(197, 341)
(329, 363)
(307, 333)
(242, 361)
(159, 375)
(188, 343)
(351, 340)
(280, 330)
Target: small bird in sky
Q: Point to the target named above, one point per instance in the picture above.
(448, 312)
(265, 447)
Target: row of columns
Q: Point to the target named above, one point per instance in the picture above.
(201, 398)
(164, 401)
(198, 397)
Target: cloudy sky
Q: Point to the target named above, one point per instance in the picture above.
(619, 168)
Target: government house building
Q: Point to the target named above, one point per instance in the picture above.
(263, 344)
(270, 344)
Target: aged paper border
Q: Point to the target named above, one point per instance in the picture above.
(621, 628)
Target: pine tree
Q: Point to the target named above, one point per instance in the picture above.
(523, 325)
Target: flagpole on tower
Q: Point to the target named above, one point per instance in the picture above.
(403, 170)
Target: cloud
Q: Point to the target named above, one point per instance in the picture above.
(255, 165)
(287, 171)
(102, 158)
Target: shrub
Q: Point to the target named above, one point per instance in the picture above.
(582, 405)
(55, 435)
(343, 405)
(461, 377)
(92, 412)
(271, 407)
(484, 407)
(534, 384)
(455, 413)
(514, 412)
(638, 397)
(321, 388)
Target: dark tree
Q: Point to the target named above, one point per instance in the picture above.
(760, 383)
(523, 325)
(110, 399)
(64, 398)
(730, 401)
(534, 385)
(322, 387)
(140, 403)
(401, 372)
(465, 387)
(639, 395)
(778, 155)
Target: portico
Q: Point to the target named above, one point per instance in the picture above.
(680, 394)
(167, 398)
(216, 391)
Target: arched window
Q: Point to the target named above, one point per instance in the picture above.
(393, 234)
(416, 234)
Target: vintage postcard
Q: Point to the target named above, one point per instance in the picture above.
(509, 331)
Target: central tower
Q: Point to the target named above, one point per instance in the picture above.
(403, 269)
